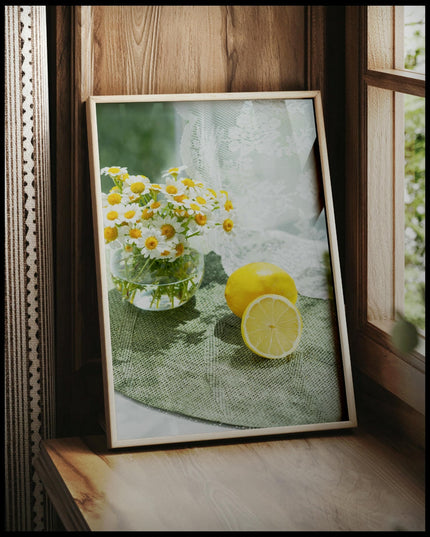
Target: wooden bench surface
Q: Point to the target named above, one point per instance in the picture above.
(347, 480)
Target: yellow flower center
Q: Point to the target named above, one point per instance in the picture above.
(112, 215)
(154, 186)
(129, 214)
(110, 233)
(195, 207)
(200, 219)
(137, 187)
(151, 243)
(123, 176)
(228, 225)
(135, 233)
(201, 200)
(168, 230)
(171, 189)
(113, 170)
(228, 206)
(179, 249)
(146, 215)
(180, 198)
(128, 248)
(188, 182)
(113, 189)
(114, 198)
(155, 205)
(164, 253)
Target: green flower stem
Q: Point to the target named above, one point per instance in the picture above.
(152, 272)
(151, 262)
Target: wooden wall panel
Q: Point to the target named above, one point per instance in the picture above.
(107, 50)
(189, 49)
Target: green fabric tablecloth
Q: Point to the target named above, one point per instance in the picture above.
(192, 360)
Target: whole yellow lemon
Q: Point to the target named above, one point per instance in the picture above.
(255, 279)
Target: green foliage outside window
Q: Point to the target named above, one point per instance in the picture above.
(415, 180)
(415, 210)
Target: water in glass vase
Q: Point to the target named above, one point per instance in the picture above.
(156, 284)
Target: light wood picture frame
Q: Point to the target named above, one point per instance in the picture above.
(187, 189)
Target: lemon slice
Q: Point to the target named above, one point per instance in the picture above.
(271, 326)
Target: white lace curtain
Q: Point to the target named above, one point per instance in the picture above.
(263, 153)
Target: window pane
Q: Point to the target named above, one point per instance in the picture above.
(414, 38)
(415, 210)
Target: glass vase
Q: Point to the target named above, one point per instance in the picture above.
(156, 284)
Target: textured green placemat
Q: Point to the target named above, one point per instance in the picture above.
(192, 361)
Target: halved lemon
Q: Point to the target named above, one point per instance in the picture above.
(271, 326)
(255, 279)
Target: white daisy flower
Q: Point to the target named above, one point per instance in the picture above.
(152, 243)
(179, 201)
(228, 225)
(180, 246)
(112, 214)
(173, 172)
(113, 197)
(169, 226)
(130, 234)
(155, 187)
(226, 222)
(114, 171)
(193, 188)
(201, 223)
(130, 213)
(211, 197)
(110, 234)
(146, 214)
(205, 200)
(194, 208)
(172, 188)
(169, 252)
(154, 206)
(136, 186)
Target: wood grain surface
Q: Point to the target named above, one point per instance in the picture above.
(192, 49)
(343, 482)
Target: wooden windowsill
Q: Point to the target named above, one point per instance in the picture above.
(334, 481)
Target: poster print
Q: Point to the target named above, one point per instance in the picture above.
(221, 305)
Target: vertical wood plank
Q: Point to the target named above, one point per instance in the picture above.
(316, 50)
(355, 200)
(380, 203)
(380, 38)
(399, 203)
(59, 47)
(86, 343)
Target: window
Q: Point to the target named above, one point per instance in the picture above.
(385, 191)
(414, 172)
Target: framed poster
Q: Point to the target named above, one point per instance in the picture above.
(220, 294)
